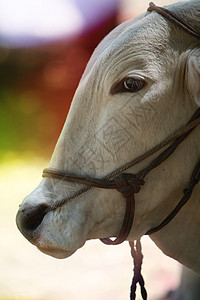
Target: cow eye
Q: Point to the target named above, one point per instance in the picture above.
(129, 84)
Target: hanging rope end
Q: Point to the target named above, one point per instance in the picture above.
(136, 253)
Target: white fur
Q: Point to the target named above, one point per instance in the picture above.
(194, 76)
(104, 131)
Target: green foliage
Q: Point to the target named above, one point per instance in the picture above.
(22, 121)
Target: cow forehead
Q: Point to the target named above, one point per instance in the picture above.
(133, 40)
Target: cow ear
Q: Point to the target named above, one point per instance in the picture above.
(194, 77)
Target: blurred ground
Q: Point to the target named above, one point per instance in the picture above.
(95, 272)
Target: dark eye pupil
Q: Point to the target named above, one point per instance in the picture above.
(129, 83)
(133, 84)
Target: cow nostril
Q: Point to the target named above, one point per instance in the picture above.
(35, 217)
(31, 218)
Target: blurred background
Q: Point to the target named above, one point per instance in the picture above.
(44, 47)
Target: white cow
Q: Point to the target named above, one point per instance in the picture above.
(141, 84)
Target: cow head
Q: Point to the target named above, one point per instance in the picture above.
(140, 85)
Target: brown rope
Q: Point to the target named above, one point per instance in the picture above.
(174, 19)
(104, 183)
(136, 253)
(195, 178)
(165, 142)
(184, 133)
(127, 184)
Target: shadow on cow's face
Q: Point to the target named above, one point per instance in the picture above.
(131, 96)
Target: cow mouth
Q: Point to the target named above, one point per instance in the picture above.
(56, 253)
(51, 250)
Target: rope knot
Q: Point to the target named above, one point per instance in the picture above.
(128, 184)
